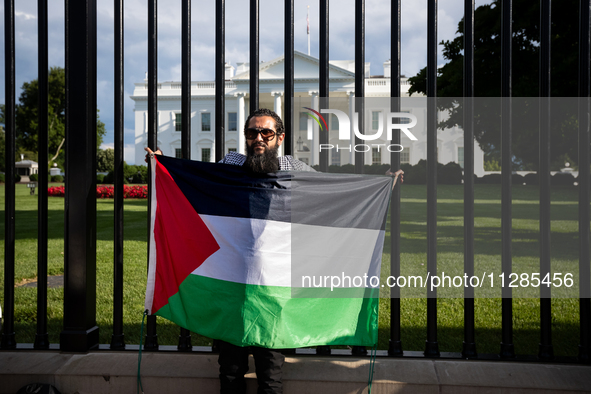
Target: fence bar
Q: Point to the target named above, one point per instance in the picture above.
(288, 82)
(546, 351)
(507, 348)
(184, 344)
(8, 336)
(118, 338)
(359, 76)
(359, 105)
(395, 345)
(151, 341)
(42, 337)
(323, 101)
(254, 55)
(220, 76)
(324, 77)
(80, 331)
(431, 345)
(186, 80)
(469, 344)
(584, 174)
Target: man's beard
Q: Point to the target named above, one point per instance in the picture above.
(263, 163)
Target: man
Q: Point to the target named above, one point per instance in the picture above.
(264, 133)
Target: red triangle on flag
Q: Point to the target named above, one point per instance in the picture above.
(183, 241)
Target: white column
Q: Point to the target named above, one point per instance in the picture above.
(351, 95)
(277, 109)
(314, 156)
(240, 121)
(277, 102)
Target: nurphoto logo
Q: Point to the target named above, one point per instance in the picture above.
(388, 119)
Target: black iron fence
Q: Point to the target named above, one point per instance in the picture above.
(80, 332)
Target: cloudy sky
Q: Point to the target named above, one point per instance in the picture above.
(341, 47)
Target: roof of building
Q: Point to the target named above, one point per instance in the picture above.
(26, 163)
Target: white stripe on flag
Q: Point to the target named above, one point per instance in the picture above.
(152, 252)
(261, 252)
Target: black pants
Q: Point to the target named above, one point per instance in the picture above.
(233, 362)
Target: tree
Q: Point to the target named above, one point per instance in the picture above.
(525, 72)
(105, 160)
(26, 118)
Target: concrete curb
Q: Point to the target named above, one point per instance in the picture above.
(104, 372)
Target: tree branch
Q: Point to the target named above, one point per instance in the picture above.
(58, 151)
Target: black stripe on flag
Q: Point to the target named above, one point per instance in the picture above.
(336, 200)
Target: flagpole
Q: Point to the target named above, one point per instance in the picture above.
(308, 29)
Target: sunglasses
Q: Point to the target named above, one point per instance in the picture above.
(266, 134)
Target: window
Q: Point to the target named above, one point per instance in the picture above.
(405, 156)
(206, 121)
(335, 160)
(303, 121)
(178, 153)
(376, 156)
(206, 154)
(232, 150)
(461, 156)
(232, 120)
(375, 120)
(334, 122)
(177, 122)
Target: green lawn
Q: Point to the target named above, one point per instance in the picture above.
(565, 326)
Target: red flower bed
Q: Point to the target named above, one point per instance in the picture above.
(56, 191)
(135, 191)
(105, 191)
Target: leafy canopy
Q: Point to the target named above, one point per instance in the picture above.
(27, 115)
(525, 77)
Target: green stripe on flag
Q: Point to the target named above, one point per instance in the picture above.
(268, 316)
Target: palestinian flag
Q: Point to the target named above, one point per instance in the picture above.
(254, 259)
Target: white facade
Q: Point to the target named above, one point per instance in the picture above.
(342, 92)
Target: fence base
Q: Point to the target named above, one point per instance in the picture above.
(395, 349)
(115, 372)
(79, 340)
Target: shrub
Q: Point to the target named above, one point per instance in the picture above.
(100, 178)
(135, 174)
(2, 179)
(491, 165)
(57, 178)
(562, 179)
(450, 174)
(491, 179)
(517, 179)
(348, 169)
(344, 169)
(376, 169)
(417, 174)
(17, 178)
(33, 177)
(531, 179)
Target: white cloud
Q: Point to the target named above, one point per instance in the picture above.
(24, 15)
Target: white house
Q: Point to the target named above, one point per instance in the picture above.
(450, 145)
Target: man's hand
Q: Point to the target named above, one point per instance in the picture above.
(396, 174)
(158, 152)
